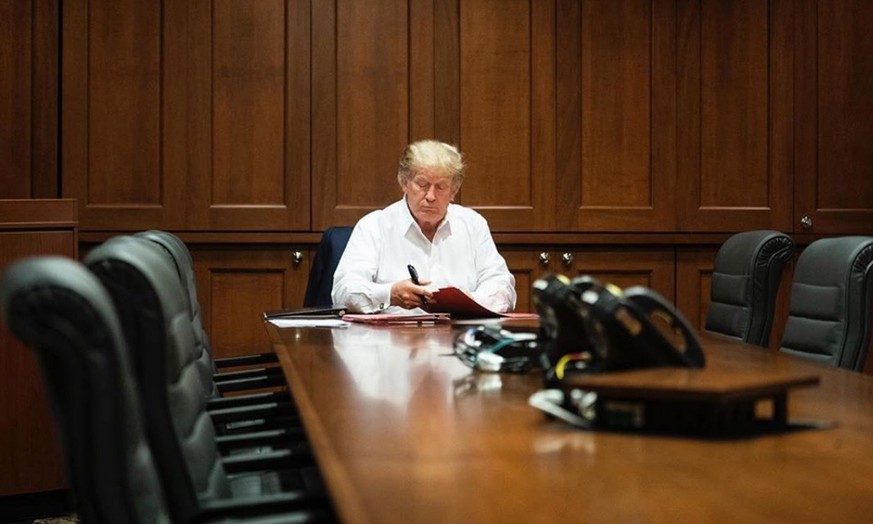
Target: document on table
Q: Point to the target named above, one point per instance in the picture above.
(319, 316)
(308, 322)
(385, 319)
(307, 312)
(461, 305)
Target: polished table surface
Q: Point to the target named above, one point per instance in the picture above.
(404, 432)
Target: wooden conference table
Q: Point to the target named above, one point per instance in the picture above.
(405, 433)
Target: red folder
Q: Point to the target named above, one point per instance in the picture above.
(461, 305)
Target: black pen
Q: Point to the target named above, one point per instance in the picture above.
(414, 275)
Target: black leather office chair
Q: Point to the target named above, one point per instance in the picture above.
(327, 256)
(745, 282)
(61, 310)
(58, 308)
(830, 312)
(268, 411)
(225, 381)
(159, 332)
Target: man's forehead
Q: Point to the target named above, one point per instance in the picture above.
(431, 174)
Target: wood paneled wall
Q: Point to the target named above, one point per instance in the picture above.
(30, 452)
(574, 115)
(604, 125)
(187, 115)
(735, 114)
(620, 138)
(29, 99)
(834, 109)
(235, 286)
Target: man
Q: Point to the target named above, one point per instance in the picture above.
(449, 245)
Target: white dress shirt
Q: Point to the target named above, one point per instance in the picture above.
(384, 242)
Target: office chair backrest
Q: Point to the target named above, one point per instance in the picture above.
(180, 257)
(58, 308)
(330, 250)
(156, 322)
(830, 312)
(745, 282)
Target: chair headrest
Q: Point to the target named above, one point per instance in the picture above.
(62, 311)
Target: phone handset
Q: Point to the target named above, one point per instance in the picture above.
(655, 307)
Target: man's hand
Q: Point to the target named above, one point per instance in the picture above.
(408, 295)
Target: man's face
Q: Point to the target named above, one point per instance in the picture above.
(429, 194)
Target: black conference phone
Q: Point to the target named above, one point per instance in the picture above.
(588, 326)
(594, 327)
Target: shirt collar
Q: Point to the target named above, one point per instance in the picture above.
(411, 224)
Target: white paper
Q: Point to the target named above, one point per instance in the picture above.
(309, 322)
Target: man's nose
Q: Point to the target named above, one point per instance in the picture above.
(431, 194)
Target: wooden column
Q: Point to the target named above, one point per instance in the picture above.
(29, 447)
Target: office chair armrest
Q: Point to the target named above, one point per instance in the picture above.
(266, 410)
(245, 384)
(246, 373)
(250, 413)
(246, 360)
(289, 438)
(296, 457)
(309, 507)
(252, 425)
(238, 401)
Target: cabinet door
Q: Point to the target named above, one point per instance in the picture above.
(373, 91)
(505, 120)
(652, 268)
(626, 267)
(694, 282)
(616, 115)
(476, 74)
(248, 98)
(735, 107)
(123, 114)
(187, 116)
(833, 157)
(236, 285)
(526, 265)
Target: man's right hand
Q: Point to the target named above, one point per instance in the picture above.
(406, 294)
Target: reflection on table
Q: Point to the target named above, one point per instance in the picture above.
(405, 433)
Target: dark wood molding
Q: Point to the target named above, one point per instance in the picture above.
(38, 214)
(533, 240)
